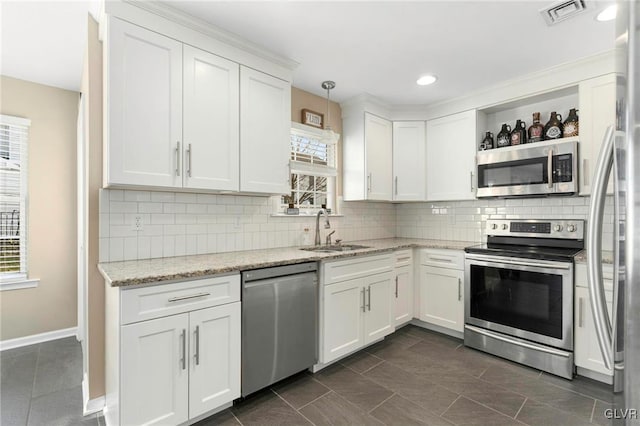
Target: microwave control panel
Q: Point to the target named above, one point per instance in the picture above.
(563, 168)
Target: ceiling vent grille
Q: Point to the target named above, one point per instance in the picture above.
(563, 10)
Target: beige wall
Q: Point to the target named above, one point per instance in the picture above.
(92, 90)
(301, 99)
(51, 233)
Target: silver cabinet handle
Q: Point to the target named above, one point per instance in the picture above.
(369, 303)
(396, 185)
(183, 338)
(396, 287)
(580, 311)
(197, 336)
(459, 289)
(178, 158)
(440, 259)
(189, 160)
(471, 175)
(192, 296)
(369, 182)
(585, 173)
(550, 167)
(363, 302)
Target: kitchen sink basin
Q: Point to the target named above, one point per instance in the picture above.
(335, 248)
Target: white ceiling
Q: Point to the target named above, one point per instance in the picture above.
(373, 47)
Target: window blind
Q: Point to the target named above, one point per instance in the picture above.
(14, 134)
(311, 153)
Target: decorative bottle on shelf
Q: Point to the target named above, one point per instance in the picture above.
(487, 142)
(571, 124)
(519, 133)
(536, 129)
(554, 127)
(504, 137)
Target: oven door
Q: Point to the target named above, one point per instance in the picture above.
(526, 298)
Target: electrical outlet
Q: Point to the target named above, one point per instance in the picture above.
(137, 223)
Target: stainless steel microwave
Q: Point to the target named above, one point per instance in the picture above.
(536, 169)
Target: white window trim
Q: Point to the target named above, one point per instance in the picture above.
(19, 280)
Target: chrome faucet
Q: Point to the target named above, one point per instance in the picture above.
(327, 240)
(327, 225)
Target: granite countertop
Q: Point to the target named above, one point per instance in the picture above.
(581, 257)
(135, 272)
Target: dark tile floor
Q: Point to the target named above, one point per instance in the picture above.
(413, 377)
(42, 385)
(416, 377)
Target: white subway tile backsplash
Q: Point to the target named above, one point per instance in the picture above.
(137, 195)
(116, 249)
(174, 208)
(163, 219)
(150, 207)
(163, 197)
(123, 207)
(116, 195)
(182, 197)
(130, 248)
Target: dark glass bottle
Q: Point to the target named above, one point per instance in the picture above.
(536, 129)
(504, 137)
(487, 142)
(571, 124)
(554, 127)
(519, 133)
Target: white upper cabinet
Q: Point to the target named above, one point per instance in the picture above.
(597, 112)
(451, 151)
(144, 107)
(265, 123)
(378, 153)
(409, 160)
(211, 121)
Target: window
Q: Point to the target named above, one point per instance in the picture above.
(14, 133)
(313, 169)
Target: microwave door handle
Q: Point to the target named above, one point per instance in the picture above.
(550, 168)
(594, 247)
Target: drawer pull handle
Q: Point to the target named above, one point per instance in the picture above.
(363, 302)
(193, 296)
(197, 354)
(183, 359)
(459, 289)
(400, 259)
(369, 303)
(396, 287)
(440, 259)
(580, 311)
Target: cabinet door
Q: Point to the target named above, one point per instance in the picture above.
(380, 306)
(344, 305)
(403, 293)
(154, 379)
(409, 159)
(597, 112)
(265, 124)
(441, 297)
(211, 121)
(451, 150)
(587, 349)
(144, 112)
(215, 357)
(378, 153)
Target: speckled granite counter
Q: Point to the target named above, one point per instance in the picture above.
(136, 272)
(607, 257)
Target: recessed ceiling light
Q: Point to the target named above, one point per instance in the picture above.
(426, 79)
(608, 14)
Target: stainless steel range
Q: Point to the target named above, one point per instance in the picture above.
(519, 292)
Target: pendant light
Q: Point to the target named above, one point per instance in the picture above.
(329, 137)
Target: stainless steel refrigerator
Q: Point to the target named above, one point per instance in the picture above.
(619, 336)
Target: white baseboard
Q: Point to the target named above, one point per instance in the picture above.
(90, 406)
(38, 338)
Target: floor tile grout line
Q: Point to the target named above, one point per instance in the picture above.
(490, 408)
(292, 407)
(521, 407)
(373, 366)
(329, 390)
(236, 417)
(385, 400)
(593, 410)
(33, 384)
(450, 405)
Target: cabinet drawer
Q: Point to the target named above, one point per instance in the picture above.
(452, 259)
(403, 258)
(356, 267)
(607, 276)
(160, 300)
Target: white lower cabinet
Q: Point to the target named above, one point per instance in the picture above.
(403, 290)
(179, 364)
(356, 310)
(442, 288)
(587, 354)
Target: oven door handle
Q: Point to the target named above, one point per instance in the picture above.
(516, 342)
(509, 261)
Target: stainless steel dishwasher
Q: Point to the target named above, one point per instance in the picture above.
(279, 323)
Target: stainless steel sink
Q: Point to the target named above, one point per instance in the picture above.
(335, 248)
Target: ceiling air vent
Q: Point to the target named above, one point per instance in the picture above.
(563, 10)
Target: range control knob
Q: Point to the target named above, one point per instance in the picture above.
(505, 226)
(571, 228)
(494, 226)
(557, 228)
